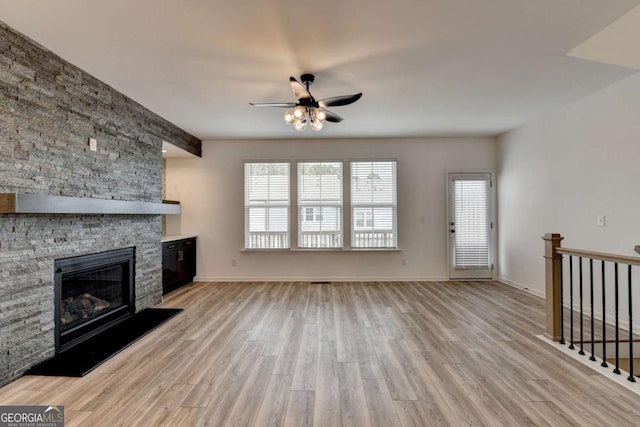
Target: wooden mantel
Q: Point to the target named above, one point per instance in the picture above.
(18, 203)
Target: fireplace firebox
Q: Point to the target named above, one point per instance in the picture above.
(92, 293)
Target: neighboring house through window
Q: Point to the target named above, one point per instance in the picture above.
(320, 205)
(374, 204)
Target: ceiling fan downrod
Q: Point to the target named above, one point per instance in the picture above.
(307, 79)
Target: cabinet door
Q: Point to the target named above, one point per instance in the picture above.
(189, 258)
(169, 262)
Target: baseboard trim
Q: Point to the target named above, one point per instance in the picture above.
(321, 279)
(521, 287)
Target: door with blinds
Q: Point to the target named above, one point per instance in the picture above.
(469, 225)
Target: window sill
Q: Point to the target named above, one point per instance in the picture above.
(317, 250)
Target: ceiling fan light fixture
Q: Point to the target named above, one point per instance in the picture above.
(289, 118)
(300, 125)
(319, 114)
(299, 112)
(317, 125)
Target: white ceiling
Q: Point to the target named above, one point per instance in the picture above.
(426, 67)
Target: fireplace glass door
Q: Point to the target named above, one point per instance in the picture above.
(93, 292)
(87, 295)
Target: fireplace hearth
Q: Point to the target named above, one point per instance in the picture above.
(92, 294)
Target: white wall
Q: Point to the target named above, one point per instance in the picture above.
(559, 173)
(211, 192)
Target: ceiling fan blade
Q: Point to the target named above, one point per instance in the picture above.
(332, 117)
(301, 92)
(274, 104)
(338, 101)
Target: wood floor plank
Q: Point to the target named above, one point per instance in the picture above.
(185, 417)
(246, 405)
(481, 400)
(392, 370)
(300, 409)
(327, 404)
(233, 383)
(272, 329)
(290, 343)
(312, 312)
(381, 408)
(169, 402)
(327, 393)
(340, 354)
(365, 354)
(431, 391)
(75, 418)
(411, 413)
(554, 415)
(345, 341)
(304, 377)
(353, 403)
(274, 404)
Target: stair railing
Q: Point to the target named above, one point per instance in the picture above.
(580, 274)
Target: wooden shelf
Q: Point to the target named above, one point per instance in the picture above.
(18, 203)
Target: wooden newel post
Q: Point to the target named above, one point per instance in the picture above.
(553, 269)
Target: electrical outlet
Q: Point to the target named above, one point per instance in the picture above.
(403, 262)
(234, 263)
(93, 144)
(600, 220)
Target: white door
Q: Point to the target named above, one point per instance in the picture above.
(469, 226)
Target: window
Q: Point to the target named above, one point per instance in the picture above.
(319, 208)
(320, 204)
(266, 205)
(373, 204)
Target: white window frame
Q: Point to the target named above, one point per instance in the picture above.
(393, 206)
(271, 237)
(347, 217)
(318, 214)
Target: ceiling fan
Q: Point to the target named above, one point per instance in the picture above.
(308, 109)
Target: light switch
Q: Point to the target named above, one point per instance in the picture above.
(600, 220)
(93, 144)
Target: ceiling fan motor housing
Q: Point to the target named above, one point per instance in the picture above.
(307, 78)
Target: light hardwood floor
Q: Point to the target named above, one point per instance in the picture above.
(350, 354)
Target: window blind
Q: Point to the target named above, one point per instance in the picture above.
(320, 205)
(374, 204)
(266, 204)
(471, 223)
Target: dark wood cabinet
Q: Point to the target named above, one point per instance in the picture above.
(178, 263)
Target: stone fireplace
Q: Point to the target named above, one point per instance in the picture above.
(92, 293)
(50, 110)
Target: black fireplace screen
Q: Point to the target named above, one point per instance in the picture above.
(87, 295)
(93, 292)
